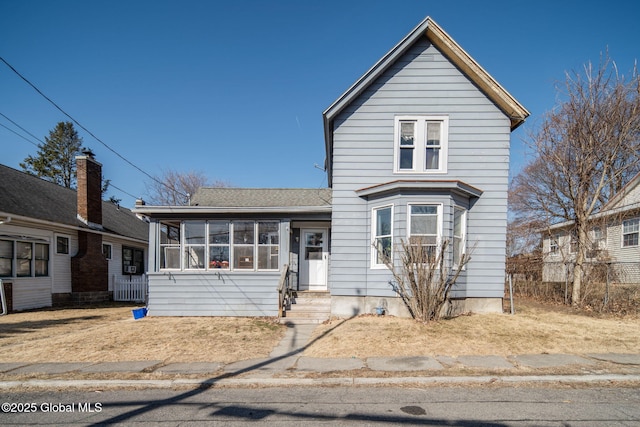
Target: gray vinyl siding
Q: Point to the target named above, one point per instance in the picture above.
(200, 294)
(214, 292)
(422, 82)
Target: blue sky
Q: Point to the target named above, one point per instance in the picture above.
(236, 89)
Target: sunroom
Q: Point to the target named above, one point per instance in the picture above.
(225, 254)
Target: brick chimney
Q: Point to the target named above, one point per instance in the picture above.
(89, 190)
(89, 267)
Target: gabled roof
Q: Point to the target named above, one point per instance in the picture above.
(629, 188)
(27, 196)
(436, 35)
(251, 200)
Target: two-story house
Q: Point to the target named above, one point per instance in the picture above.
(418, 146)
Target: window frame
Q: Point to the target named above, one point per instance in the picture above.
(268, 250)
(374, 235)
(139, 271)
(108, 255)
(11, 257)
(635, 222)
(420, 143)
(68, 244)
(462, 237)
(439, 222)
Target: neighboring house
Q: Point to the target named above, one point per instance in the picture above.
(417, 147)
(613, 239)
(59, 245)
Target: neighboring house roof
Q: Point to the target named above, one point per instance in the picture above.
(29, 197)
(626, 201)
(631, 188)
(436, 35)
(249, 200)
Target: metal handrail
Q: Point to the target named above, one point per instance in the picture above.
(284, 290)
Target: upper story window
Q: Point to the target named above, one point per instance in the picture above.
(630, 230)
(421, 144)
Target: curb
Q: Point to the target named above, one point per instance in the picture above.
(317, 382)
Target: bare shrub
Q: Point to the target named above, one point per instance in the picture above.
(424, 276)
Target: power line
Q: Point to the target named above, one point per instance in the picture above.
(23, 129)
(87, 130)
(21, 136)
(121, 190)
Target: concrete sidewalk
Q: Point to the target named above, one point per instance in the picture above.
(287, 365)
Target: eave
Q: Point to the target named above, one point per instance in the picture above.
(229, 210)
(454, 186)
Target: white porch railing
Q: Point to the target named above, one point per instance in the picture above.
(133, 288)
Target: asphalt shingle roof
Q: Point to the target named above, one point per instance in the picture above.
(261, 197)
(29, 196)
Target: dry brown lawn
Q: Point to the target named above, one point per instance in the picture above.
(111, 334)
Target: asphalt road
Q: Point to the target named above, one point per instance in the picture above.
(493, 406)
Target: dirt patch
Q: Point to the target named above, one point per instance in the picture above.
(111, 334)
(534, 329)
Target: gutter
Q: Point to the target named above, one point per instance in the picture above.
(67, 227)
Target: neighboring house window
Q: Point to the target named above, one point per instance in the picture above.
(421, 144)
(41, 262)
(573, 243)
(6, 258)
(599, 239)
(24, 256)
(630, 229)
(219, 244)
(132, 260)
(107, 251)
(169, 246)
(62, 245)
(31, 259)
(459, 234)
(553, 244)
(424, 228)
(194, 244)
(382, 235)
(268, 245)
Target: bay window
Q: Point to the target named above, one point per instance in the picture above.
(382, 238)
(459, 234)
(424, 229)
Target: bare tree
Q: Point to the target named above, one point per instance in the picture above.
(423, 277)
(586, 150)
(174, 188)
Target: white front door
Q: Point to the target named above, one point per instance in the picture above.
(314, 256)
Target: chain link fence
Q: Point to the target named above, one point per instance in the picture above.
(606, 286)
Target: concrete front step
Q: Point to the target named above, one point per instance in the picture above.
(308, 307)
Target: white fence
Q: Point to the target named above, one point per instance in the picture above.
(133, 288)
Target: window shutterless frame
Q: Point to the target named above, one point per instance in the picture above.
(381, 235)
(421, 144)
